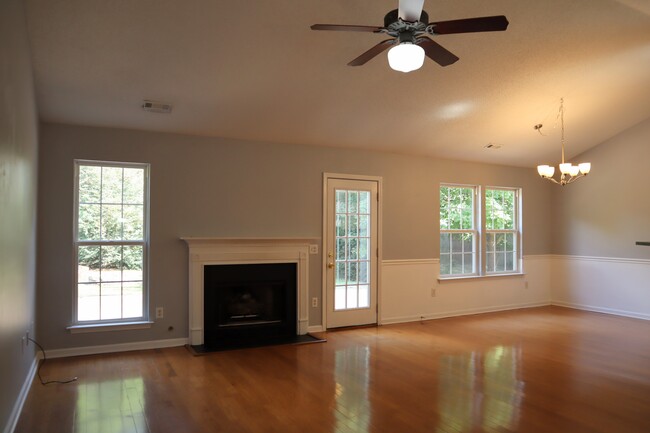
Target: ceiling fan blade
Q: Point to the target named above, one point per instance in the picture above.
(372, 52)
(346, 28)
(437, 52)
(471, 25)
(410, 10)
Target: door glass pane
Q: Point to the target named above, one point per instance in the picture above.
(352, 249)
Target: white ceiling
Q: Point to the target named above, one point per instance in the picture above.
(254, 70)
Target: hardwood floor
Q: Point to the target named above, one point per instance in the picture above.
(537, 370)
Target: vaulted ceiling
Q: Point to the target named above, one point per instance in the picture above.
(254, 70)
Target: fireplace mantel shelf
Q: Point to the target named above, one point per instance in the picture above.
(246, 240)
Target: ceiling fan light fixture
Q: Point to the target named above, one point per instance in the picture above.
(406, 57)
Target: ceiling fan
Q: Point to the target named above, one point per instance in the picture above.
(409, 28)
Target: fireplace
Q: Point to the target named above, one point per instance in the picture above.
(218, 252)
(249, 304)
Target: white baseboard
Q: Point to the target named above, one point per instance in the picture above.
(111, 348)
(22, 396)
(315, 328)
(464, 312)
(594, 309)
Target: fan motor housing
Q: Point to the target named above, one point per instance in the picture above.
(393, 17)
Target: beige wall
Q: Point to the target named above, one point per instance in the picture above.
(219, 187)
(18, 169)
(604, 214)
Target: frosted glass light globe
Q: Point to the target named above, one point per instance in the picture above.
(406, 57)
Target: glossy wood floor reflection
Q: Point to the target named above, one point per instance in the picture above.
(538, 370)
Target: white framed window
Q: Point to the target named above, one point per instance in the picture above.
(480, 230)
(501, 230)
(111, 242)
(458, 233)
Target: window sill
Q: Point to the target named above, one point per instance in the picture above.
(480, 277)
(106, 327)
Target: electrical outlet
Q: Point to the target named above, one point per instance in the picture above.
(433, 292)
(314, 302)
(160, 312)
(313, 249)
(525, 284)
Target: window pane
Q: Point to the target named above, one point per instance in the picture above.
(341, 201)
(88, 302)
(489, 262)
(112, 222)
(352, 273)
(340, 248)
(132, 222)
(510, 261)
(456, 264)
(339, 298)
(364, 202)
(364, 296)
(455, 219)
(90, 179)
(88, 264)
(467, 218)
(111, 263)
(351, 299)
(133, 186)
(111, 185)
(363, 248)
(132, 295)
(132, 260)
(89, 222)
(468, 263)
(499, 262)
(353, 253)
(500, 209)
(364, 225)
(353, 197)
(456, 243)
(363, 272)
(111, 301)
(340, 273)
(340, 225)
(353, 225)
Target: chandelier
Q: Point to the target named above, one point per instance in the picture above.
(568, 172)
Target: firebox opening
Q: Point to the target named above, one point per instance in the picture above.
(249, 304)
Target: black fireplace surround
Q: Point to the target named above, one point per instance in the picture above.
(249, 304)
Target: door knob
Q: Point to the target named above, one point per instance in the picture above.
(330, 265)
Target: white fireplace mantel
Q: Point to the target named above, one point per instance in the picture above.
(220, 251)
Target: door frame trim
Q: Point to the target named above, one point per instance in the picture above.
(326, 177)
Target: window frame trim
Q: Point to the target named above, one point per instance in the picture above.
(476, 204)
(108, 324)
(517, 231)
(479, 218)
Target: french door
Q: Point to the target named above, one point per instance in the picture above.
(351, 252)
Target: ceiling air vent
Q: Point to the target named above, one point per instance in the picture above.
(156, 107)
